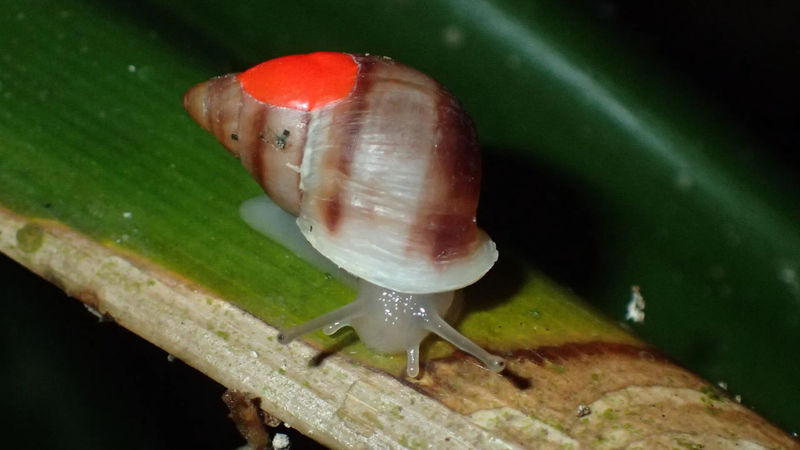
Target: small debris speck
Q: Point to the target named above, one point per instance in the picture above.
(453, 36)
(94, 312)
(788, 275)
(127, 215)
(737, 398)
(254, 354)
(281, 441)
(170, 358)
(584, 410)
(131, 68)
(722, 385)
(635, 306)
(684, 181)
(101, 317)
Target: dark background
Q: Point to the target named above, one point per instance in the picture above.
(78, 383)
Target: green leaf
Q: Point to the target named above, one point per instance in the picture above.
(599, 172)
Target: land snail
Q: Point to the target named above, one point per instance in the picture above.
(381, 166)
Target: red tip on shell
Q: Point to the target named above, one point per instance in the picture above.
(303, 82)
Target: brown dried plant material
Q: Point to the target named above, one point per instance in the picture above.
(597, 394)
(247, 416)
(600, 395)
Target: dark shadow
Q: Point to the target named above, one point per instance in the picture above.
(498, 285)
(348, 337)
(195, 46)
(540, 216)
(700, 352)
(519, 382)
(744, 60)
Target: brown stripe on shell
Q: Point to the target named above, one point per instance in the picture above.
(259, 168)
(271, 142)
(343, 141)
(222, 104)
(253, 117)
(445, 227)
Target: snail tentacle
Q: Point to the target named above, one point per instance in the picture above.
(441, 328)
(335, 319)
(412, 366)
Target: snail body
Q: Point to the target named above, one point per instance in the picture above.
(381, 166)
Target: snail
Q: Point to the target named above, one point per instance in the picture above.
(381, 166)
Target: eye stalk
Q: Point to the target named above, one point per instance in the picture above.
(389, 322)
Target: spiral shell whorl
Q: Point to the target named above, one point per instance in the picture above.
(385, 181)
(269, 140)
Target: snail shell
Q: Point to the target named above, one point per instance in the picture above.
(380, 164)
